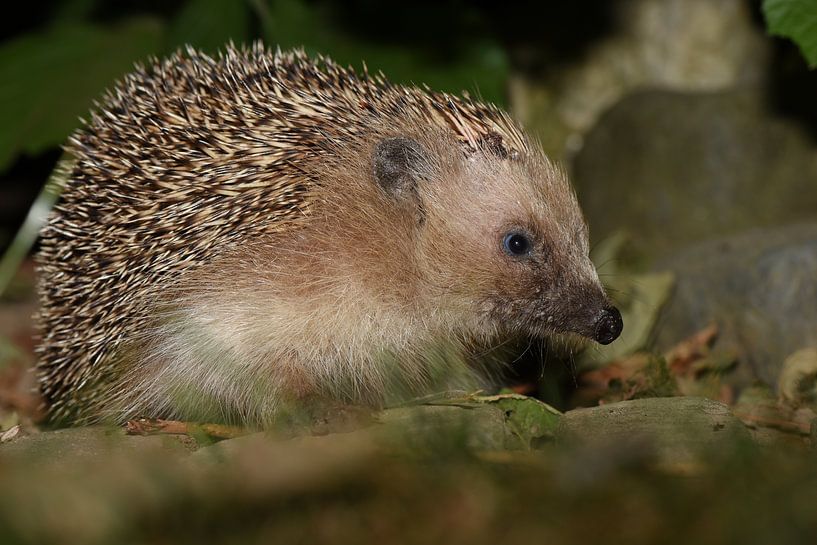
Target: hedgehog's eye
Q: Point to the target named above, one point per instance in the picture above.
(516, 244)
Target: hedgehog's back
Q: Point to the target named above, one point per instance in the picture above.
(166, 174)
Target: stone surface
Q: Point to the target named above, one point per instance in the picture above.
(668, 44)
(675, 431)
(758, 287)
(81, 443)
(478, 427)
(673, 169)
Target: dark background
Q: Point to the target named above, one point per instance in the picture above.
(60, 55)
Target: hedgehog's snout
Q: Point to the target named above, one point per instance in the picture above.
(608, 326)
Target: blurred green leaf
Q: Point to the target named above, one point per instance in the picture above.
(48, 79)
(797, 20)
(606, 254)
(640, 298)
(479, 67)
(529, 419)
(74, 10)
(37, 215)
(209, 24)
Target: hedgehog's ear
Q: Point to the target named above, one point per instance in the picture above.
(398, 165)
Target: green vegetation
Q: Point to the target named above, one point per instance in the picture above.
(795, 19)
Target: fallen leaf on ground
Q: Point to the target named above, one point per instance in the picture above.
(11, 433)
(797, 384)
(758, 408)
(681, 357)
(146, 426)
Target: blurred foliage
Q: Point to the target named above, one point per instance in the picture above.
(639, 297)
(50, 78)
(51, 75)
(797, 20)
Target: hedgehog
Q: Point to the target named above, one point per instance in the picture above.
(239, 234)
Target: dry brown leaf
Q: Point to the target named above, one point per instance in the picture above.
(145, 426)
(681, 357)
(798, 378)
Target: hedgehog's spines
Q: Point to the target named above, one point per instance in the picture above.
(191, 156)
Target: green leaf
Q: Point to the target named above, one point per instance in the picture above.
(797, 20)
(531, 420)
(209, 24)
(49, 79)
(74, 10)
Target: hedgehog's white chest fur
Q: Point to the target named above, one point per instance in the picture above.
(249, 356)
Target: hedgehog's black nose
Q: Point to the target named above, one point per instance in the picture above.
(608, 326)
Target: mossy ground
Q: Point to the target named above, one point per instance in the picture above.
(471, 469)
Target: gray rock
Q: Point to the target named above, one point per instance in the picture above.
(667, 44)
(57, 446)
(760, 287)
(476, 423)
(673, 169)
(475, 427)
(674, 431)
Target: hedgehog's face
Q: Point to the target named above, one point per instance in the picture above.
(502, 240)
